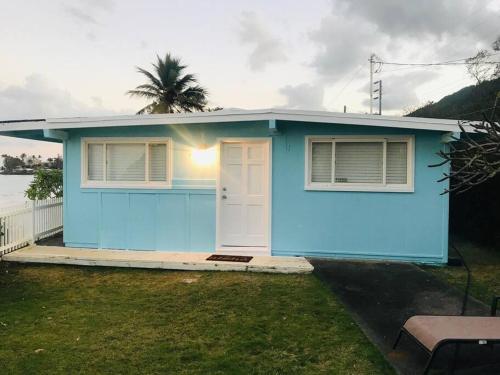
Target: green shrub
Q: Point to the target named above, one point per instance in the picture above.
(48, 183)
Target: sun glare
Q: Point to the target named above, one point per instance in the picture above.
(203, 156)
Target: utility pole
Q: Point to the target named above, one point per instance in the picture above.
(378, 92)
(372, 61)
(380, 98)
(373, 70)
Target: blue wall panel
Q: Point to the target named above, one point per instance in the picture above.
(141, 221)
(114, 219)
(171, 228)
(80, 213)
(202, 222)
(380, 225)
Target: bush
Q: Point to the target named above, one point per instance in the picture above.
(475, 214)
(48, 183)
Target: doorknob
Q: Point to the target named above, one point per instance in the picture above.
(224, 189)
(224, 197)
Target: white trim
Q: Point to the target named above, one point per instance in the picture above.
(218, 191)
(240, 115)
(409, 187)
(104, 184)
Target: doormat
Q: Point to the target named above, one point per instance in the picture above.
(230, 258)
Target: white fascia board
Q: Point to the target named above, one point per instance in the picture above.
(239, 116)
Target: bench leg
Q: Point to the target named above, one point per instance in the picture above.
(429, 361)
(397, 339)
(455, 356)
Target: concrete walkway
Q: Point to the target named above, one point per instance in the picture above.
(154, 259)
(381, 296)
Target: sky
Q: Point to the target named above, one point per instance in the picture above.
(79, 57)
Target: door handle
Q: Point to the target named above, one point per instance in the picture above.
(224, 197)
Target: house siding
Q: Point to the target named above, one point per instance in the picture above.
(377, 225)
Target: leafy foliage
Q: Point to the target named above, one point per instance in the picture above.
(474, 158)
(481, 67)
(48, 183)
(169, 88)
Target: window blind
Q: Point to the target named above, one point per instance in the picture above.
(95, 162)
(158, 162)
(359, 162)
(125, 162)
(321, 162)
(397, 155)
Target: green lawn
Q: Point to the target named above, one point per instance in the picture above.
(61, 320)
(485, 266)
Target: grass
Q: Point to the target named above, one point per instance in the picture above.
(61, 320)
(484, 263)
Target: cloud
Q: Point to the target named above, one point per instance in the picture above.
(424, 17)
(304, 96)
(37, 98)
(424, 30)
(345, 43)
(398, 91)
(266, 49)
(88, 11)
(80, 15)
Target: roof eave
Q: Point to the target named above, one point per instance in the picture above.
(239, 116)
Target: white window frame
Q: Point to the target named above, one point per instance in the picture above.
(86, 183)
(382, 187)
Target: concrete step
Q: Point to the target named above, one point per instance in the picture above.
(154, 259)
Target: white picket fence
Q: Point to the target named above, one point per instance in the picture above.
(27, 223)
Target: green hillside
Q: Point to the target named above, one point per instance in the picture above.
(466, 104)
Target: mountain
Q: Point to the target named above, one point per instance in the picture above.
(466, 104)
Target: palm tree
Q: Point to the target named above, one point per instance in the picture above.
(170, 90)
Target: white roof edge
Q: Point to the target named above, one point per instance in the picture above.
(239, 115)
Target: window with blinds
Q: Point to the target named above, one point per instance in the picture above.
(125, 162)
(359, 164)
(116, 162)
(95, 162)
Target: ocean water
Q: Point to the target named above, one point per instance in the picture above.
(12, 188)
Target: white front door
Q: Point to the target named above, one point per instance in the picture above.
(244, 194)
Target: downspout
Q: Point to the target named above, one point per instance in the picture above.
(446, 139)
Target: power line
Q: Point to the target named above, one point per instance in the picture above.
(347, 84)
(449, 62)
(439, 64)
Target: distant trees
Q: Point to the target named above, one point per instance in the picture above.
(54, 163)
(10, 163)
(19, 163)
(169, 89)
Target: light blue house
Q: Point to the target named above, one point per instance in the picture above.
(280, 182)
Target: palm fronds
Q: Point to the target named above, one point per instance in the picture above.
(169, 89)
